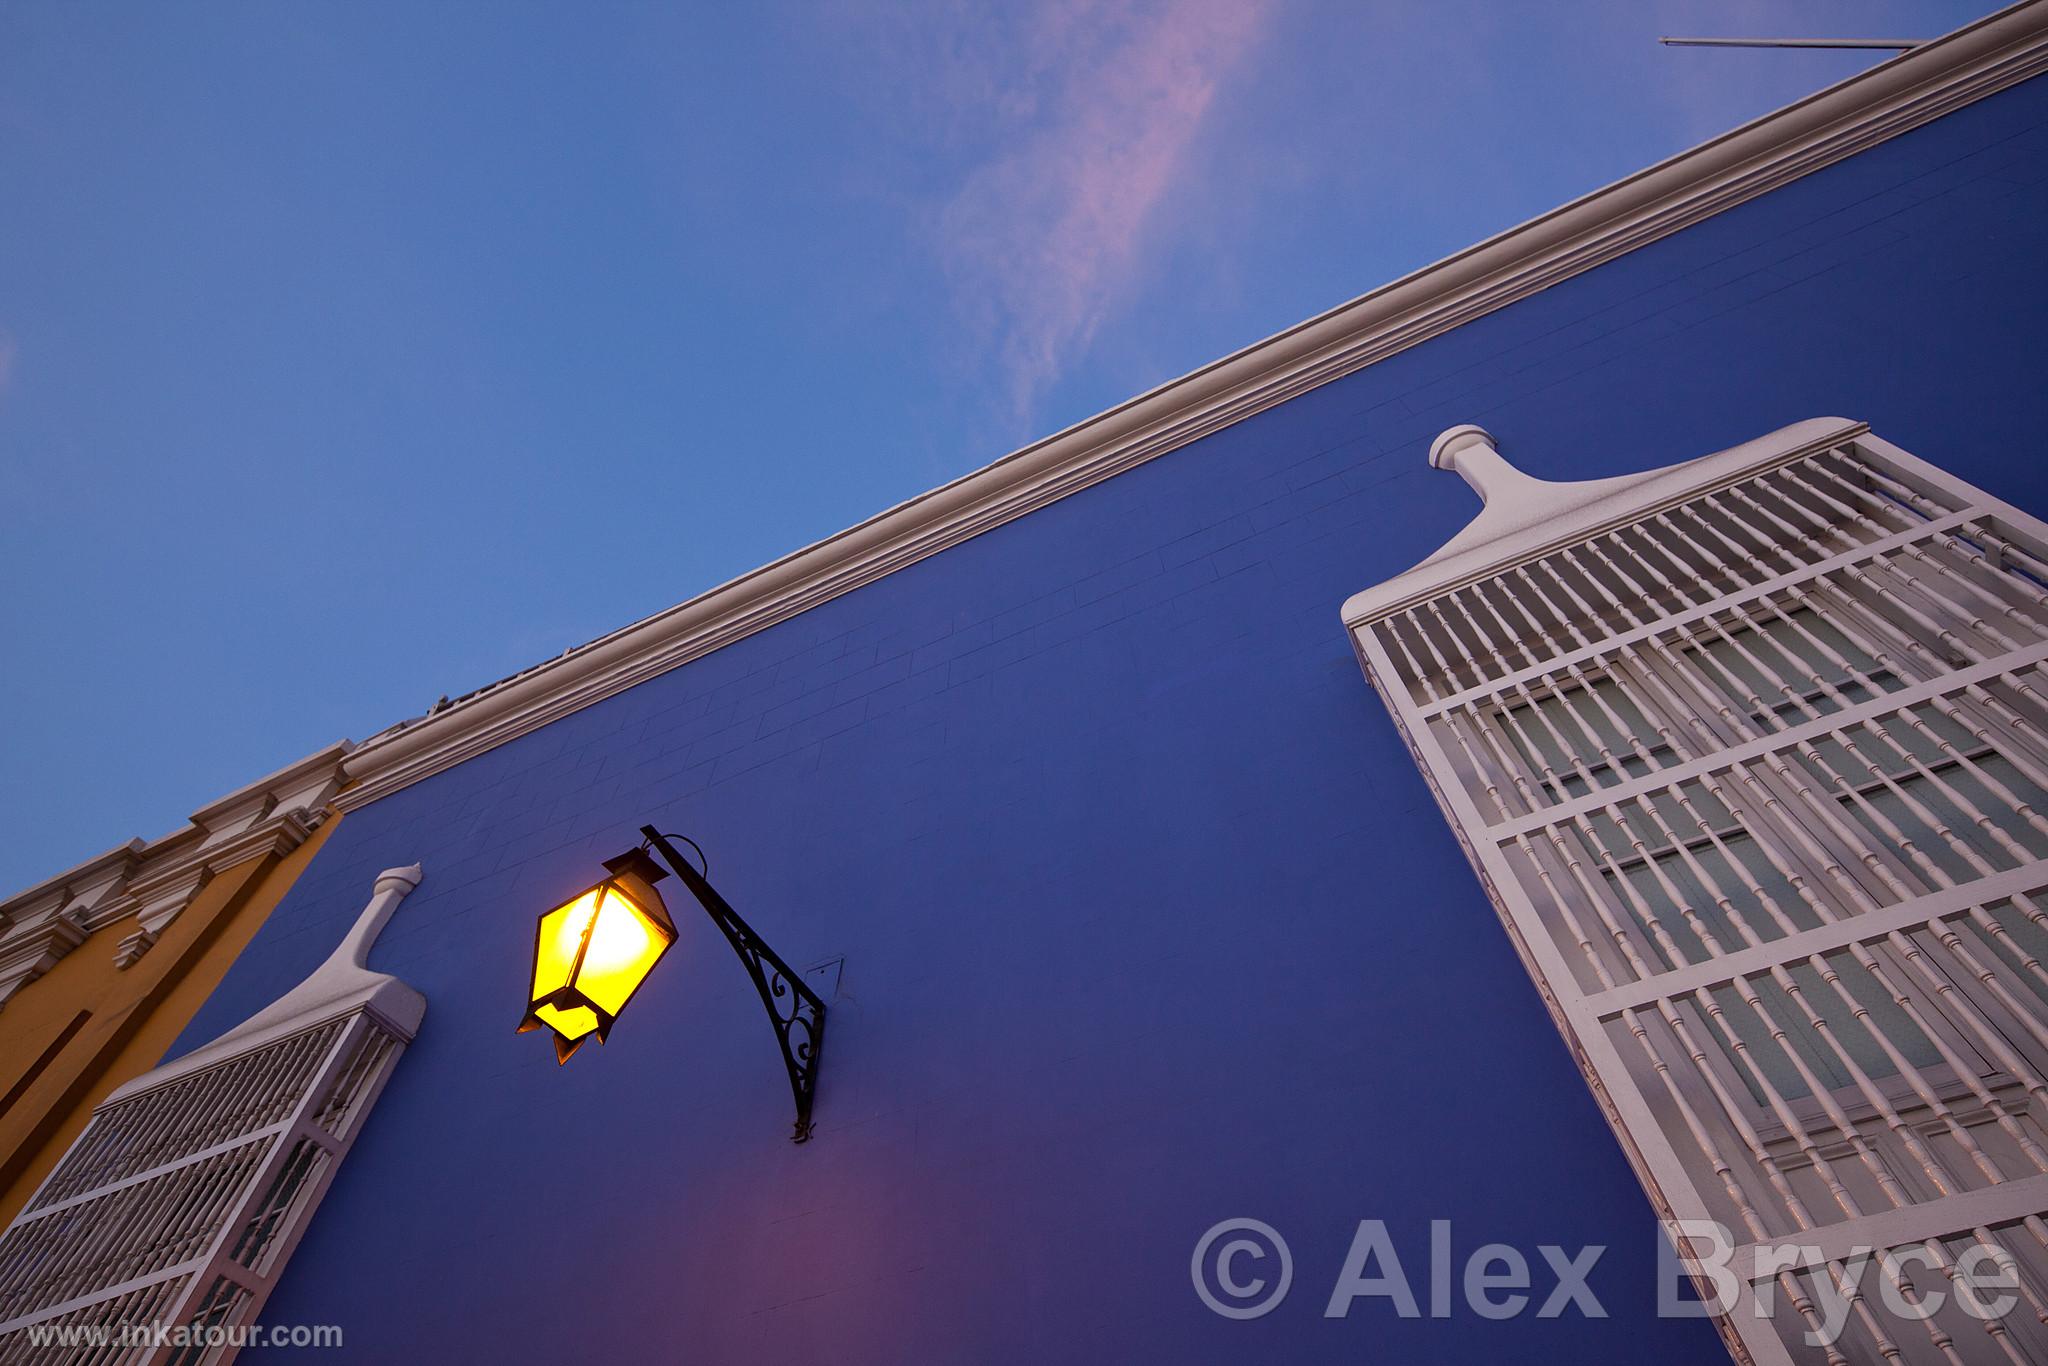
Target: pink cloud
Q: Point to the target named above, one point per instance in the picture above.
(1042, 238)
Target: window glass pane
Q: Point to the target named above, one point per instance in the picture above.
(1848, 1016)
(1848, 1009)
(1567, 731)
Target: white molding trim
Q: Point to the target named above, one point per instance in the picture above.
(157, 880)
(131, 948)
(163, 897)
(1904, 93)
(32, 952)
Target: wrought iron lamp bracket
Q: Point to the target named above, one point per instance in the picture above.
(795, 1011)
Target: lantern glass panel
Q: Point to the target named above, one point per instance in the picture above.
(561, 935)
(624, 942)
(571, 1023)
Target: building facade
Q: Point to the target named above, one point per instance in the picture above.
(102, 966)
(1140, 932)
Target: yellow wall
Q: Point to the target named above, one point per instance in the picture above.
(71, 1036)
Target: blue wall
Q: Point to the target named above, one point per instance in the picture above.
(1148, 920)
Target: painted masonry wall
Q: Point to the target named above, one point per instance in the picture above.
(1148, 920)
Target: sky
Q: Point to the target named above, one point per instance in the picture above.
(356, 354)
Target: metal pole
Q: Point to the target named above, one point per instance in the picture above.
(1878, 44)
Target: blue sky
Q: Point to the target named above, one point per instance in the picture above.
(332, 336)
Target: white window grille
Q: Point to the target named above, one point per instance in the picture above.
(184, 1197)
(1751, 756)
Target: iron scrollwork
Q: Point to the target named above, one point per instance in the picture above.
(795, 1011)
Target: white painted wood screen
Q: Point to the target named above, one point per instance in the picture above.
(1751, 756)
(182, 1200)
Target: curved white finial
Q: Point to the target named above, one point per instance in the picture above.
(341, 984)
(393, 885)
(1470, 450)
(409, 876)
(1443, 451)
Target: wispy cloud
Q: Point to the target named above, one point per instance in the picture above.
(1098, 103)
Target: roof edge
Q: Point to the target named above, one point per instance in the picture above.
(1894, 97)
(207, 820)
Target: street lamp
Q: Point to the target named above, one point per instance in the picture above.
(592, 952)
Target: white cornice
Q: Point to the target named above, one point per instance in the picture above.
(131, 948)
(157, 880)
(306, 782)
(32, 950)
(168, 884)
(83, 883)
(305, 785)
(1859, 113)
